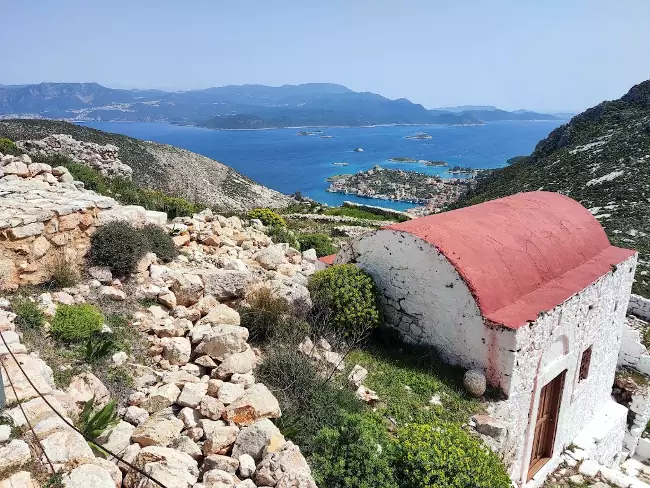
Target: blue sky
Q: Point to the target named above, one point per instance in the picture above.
(538, 54)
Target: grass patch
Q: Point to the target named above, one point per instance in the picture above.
(407, 377)
(356, 213)
(28, 313)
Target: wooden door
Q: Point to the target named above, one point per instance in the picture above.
(546, 424)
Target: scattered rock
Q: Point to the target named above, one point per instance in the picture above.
(158, 430)
(475, 383)
(170, 467)
(14, 455)
(256, 402)
(253, 440)
(88, 475)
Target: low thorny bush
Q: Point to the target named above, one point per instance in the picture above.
(120, 246)
(267, 216)
(321, 243)
(63, 271)
(28, 314)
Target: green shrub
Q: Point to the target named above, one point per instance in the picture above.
(355, 454)
(308, 403)
(28, 313)
(346, 295)
(76, 322)
(445, 456)
(95, 422)
(321, 243)
(7, 146)
(266, 316)
(282, 234)
(267, 216)
(160, 242)
(119, 246)
(98, 347)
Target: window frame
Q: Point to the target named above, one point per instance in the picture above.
(585, 363)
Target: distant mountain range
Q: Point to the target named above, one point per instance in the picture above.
(237, 106)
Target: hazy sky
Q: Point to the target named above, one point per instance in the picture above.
(538, 54)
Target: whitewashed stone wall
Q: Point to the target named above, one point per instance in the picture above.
(633, 353)
(640, 307)
(427, 301)
(640, 415)
(554, 343)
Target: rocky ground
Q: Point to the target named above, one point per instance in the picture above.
(196, 416)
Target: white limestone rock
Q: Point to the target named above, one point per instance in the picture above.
(252, 440)
(192, 394)
(159, 429)
(220, 440)
(170, 467)
(22, 479)
(161, 398)
(256, 402)
(135, 415)
(225, 284)
(223, 463)
(475, 382)
(85, 386)
(116, 439)
(65, 446)
(14, 455)
(177, 350)
(223, 340)
(88, 475)
(237, 363)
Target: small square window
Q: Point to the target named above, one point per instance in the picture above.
(585, 361)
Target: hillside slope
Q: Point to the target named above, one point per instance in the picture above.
(162, 167)
(600, 158)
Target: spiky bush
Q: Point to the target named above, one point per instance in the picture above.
(282, 234)
(267, 216)
(119, 246)
(28, 313)
(160, 242)
(347, 296)
(320, 243)
(78, 322)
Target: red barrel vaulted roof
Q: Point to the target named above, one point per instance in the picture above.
(523, 254)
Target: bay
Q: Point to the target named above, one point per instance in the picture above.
(287, 162)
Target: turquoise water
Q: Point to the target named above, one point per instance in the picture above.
(286, 162)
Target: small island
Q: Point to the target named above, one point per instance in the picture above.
(340, 163)
(426, 162)
(419, 136)
(358, 149)
(310, 133)
(431, 191)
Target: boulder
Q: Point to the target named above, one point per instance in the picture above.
(170, 467)
(38, 371)
(176, 350)
(158, 430)
(252, 440)
(14, 455)
(85, 386)
(357, 375)
(192, 394)
(475, 382)
(135, 415)
(270, 258)
(223, 340)
(220, 440)
(188, 446)
(161, 397)
(22, 479)
(246, 466)
(218, 479)
(211, 408)
(189, 417)
(188, 289)
(287, 467)
(229, 392)
(237, 363)
(102, 274)
(112, 293)
(88, 475)
(116, 439)
(226, 284)
(65, 446)
(218, 461)
(256, 402)
(221, 314)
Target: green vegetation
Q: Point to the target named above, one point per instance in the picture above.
(347, 295)
(355, 454)
(28, 313)
(355, 213)
(119, 246)
(98, 347)
(600, 159)
(159, 242)
(282, 234)
(445, 456)
(94, 423)
(7, 146)
(321, 243)
(267, 216)
(267, 316)
(121, 189)
(73, 323)
(63, 271)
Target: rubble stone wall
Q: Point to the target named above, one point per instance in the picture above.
(639, 306)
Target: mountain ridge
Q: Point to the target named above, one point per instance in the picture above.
(600, 158)
(227, 107)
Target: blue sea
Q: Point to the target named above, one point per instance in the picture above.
(284, 161)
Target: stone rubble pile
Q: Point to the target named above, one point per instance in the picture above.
(197, 417)
(44, 213)
(102, 158)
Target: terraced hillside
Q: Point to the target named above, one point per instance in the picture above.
(162, 167)
(600, 158)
